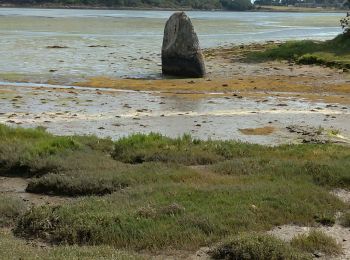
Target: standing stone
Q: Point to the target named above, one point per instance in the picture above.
(181, 54)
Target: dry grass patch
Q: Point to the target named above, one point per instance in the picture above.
(316, 242)
(345, 219)
(10, 209)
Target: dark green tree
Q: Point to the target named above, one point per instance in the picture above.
(236, 5)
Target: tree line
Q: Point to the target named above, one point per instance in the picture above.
(238, 5)
(308, 3)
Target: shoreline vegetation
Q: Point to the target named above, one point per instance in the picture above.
(239, 5)
(155, 196)
(177, 8)
(331, 53)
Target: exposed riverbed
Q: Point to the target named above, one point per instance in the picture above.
(62, 69)
(117, 113)
(53, 44)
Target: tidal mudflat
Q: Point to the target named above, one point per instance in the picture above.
(101, 157)
(69, 44)
(94, 51)
(235, 95)
(118, 113)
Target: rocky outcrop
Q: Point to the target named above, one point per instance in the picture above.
(181, 54)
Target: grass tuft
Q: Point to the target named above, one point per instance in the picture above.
(15, 248)
(256, 247)
(345, 219)
(315, 242)
(10, 210)
(141, 148)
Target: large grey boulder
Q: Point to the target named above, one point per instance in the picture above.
(181, 54)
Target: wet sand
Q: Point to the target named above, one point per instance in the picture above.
(116, 113)
(236, 100)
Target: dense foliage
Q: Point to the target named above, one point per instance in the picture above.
(239, 5)
(345, 24)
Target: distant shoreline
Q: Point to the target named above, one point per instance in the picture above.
(257, 9)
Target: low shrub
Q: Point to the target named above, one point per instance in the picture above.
(15, 248)
(315, 242)
(345, 219)
(256, 247)
(141, 148)
(10, 209)
(81, 185)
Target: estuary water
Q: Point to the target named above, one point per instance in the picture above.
(43, 44)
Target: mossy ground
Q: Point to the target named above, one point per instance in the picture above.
(150, 193)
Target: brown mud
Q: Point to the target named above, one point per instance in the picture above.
(16, 187)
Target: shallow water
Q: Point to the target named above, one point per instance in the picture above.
(128, 43)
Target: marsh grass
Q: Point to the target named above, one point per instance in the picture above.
(332, 53)
(316, 241)
(33, 152)
(253, 246)
(345, 219)
(154, 196)
(141, 148)
(15, 248)
(182, 215)
(10, 209)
